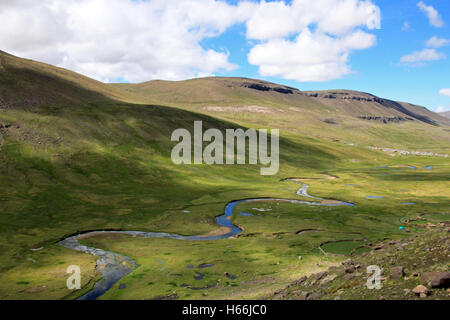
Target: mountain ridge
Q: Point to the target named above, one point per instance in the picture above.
(346, 116)
(62, 81)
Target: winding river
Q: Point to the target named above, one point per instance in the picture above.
(114, 266)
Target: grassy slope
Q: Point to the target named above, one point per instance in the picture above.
(265, 257)
(27, 84)
(106, 164)
(298, 113)
(417, 255)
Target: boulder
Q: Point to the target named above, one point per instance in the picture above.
(437, 279)
(397, 273)
(422, 291)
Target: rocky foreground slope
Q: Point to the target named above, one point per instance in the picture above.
(416, 268)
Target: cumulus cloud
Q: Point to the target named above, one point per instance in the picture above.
(423, 55)
(436, 42)
(433, 16)
(303, 42)
(445, 92)
(311, 56)
(136, 40)
(111, 39)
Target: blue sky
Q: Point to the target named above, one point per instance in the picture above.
(378, 46)
(377, 70)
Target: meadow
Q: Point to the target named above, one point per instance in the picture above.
(107, 166)
(78, 155)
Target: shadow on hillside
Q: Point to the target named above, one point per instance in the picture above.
(155, 124)
(28, 89)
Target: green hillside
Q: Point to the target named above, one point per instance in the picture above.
(27, 84)
(79, 155)
(337, 115)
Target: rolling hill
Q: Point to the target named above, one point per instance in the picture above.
(27, 84)
(78, 155)
(336, 115)
(237, 91)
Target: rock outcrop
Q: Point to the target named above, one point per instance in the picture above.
(262, 87)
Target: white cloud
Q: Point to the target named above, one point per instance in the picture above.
(162, 39)
(443, 109)
(278, 19)
(433, 16)
(437, 42)
(290, 49)
(110, 39)
(445, 92)
(423, 55)
(310, 57)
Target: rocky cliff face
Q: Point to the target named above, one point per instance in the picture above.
(262, 87)
(386, 119)
(371, 104)
(344, 96)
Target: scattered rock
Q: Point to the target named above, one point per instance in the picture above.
(303, 296)
(422, 291)
(328, 278)
(397, 273)
(319, 276)
(351, 276)
(315, 296)
(173, 296)
(437, 279)
(349, 262)
(299, 281)
(350, 269)
(312, 283)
